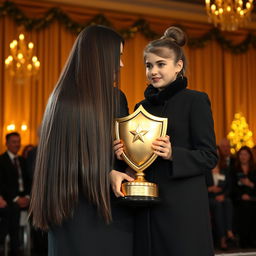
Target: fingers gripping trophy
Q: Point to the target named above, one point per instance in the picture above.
(137, 131)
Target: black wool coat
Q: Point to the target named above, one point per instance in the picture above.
(86, 233)
(180, 224)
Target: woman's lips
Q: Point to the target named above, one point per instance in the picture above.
(156, 79)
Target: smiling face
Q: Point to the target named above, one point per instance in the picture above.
(161, 71)
(13, 144)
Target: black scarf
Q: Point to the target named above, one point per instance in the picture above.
(157, 97)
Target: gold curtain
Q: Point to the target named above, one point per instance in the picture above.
(228, 79)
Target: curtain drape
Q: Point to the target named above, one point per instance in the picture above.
(228, 79)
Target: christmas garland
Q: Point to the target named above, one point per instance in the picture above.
(215, 33)
(142, 26)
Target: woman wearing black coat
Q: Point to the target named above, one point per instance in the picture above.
(244, 196)
(221, 207)
(180, 225)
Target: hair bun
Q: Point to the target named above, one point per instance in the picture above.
(176, 35)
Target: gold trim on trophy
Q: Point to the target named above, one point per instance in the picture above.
(137, 132)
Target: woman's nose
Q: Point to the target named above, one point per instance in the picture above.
(154, 70)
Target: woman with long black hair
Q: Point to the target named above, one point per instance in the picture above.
(70, 195)
(244, 196)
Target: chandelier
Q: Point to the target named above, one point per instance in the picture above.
(21, 62)
(229, 14)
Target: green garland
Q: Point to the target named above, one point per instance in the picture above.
(215, 33)
(142, 26)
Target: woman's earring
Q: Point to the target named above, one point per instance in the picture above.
(179, 74)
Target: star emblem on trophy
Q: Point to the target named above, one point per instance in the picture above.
(138, 134)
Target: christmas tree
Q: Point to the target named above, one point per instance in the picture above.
(240, 135)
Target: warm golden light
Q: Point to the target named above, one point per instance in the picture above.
(240, 135)
(37, 64)
(229, 15)
(24, 127)
(20, 56)
(22, 63)
(30, 45)
(213, 7)
(34, 59)
(10, 127)
(21, 37)
(29, 66)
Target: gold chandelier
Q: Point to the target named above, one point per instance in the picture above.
(229, 14)
(21, 62)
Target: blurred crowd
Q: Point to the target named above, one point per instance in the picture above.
(16, 175)
(232, 197)
(231, 189)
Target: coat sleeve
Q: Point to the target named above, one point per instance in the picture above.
(2, 183)
(209, 179)
(201, 156)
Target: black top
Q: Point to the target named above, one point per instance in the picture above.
(238, 188)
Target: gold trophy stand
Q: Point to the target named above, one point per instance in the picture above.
(140, 192)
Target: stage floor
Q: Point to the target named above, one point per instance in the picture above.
(237, 252)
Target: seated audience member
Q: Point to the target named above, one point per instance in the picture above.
(254, 153)
(26, 150)
(221, 207)
(31, 158)
(14, 190)
(244, 195)
(3, 223)
(226, 160)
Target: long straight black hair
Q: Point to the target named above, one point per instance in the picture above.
(75, 151)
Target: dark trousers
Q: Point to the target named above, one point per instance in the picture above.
(3, 225)
(11, 225)
(223, 216)
(246, 222)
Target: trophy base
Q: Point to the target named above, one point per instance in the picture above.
(139, 193)
(139, 200)
(139, 188)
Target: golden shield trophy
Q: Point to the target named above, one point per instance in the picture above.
(137, 132)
